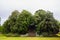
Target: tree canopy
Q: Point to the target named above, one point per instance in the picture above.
(21, 22)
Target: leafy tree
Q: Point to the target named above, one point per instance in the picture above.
(13, 21)
(18, 22)
(49, 26)
(24, 20)
(39, 16)
(42, 22)
(9, 24)
(6, 27)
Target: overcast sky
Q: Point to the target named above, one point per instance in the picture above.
(7, 6)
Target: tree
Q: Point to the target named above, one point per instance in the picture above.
(49, 26)
(42, 22)
(24, 21)
(19, 22)
(39, 17)
(13, 21)
(9, 24)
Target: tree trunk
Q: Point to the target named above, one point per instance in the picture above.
(31, 33)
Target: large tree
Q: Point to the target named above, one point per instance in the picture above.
(39, 16)
(41, 22)
(23, 21)
(9, 24)
(48, 26)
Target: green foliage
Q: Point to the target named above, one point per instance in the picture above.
(1, 29)
(18, 22)
(24, 20)
(42, 21)
(48, 25)
(9, 25)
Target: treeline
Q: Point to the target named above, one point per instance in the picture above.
(42, 22)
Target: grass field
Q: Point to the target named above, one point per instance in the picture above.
(2, 37)
(29, 38)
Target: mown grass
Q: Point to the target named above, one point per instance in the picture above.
(2, 37)
(29, 38)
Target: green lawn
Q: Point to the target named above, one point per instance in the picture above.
(2, 37)
(29, 38)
